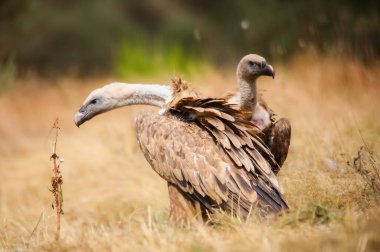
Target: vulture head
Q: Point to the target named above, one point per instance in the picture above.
(99, 101)
(253, 66)
(117, 95)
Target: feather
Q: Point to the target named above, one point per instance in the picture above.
(214, 157)
(222, 138)
(215, 122)
(234, 140)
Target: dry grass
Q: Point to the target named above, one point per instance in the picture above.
(114, 201)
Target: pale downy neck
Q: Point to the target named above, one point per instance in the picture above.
(142, 94)
(248, 94)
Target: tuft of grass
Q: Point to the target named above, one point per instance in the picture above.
(364, 164)
(311, 215)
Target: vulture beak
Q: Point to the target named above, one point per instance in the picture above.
(268, 71)
(78, 119)
(81, 116)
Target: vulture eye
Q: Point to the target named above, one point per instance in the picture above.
(252, 63)
(94, 101)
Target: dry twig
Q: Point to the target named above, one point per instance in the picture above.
(56, 180)
(365, 165)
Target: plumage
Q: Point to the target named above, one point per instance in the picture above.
(277, 137)
(203, 148)
(276, 134)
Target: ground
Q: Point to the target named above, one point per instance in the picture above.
(113, 200)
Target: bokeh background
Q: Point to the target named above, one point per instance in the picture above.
(53, 53)
(116, 36)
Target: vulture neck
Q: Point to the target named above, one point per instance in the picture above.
(248, 94)
(143, 94)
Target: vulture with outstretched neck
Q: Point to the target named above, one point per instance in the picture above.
(208, 153)
(276, 134)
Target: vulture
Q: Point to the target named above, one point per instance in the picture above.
(210, 156)
(276, 134)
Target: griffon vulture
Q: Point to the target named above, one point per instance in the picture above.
(275, 134)
(209, 155)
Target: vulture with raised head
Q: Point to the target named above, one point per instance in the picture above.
(208, 153)
(276, 134)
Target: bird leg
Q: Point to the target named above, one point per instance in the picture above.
(277, 138)
(182, 208)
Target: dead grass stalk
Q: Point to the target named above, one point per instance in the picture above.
(56, 180)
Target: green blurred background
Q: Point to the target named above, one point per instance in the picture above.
(52, 37)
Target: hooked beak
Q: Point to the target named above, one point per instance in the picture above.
(81, 116)
(268, 71)
(78, 119)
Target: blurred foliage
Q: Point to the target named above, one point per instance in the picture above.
(8, 74)
(143, 59)
(51, 36)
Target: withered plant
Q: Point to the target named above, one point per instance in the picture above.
(56, 180)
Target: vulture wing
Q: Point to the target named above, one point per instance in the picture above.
(206, 149)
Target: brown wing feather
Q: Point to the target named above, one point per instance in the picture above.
(241, 150)
(199, 146)
(207, 174)
(199, 167)
(277, 137)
